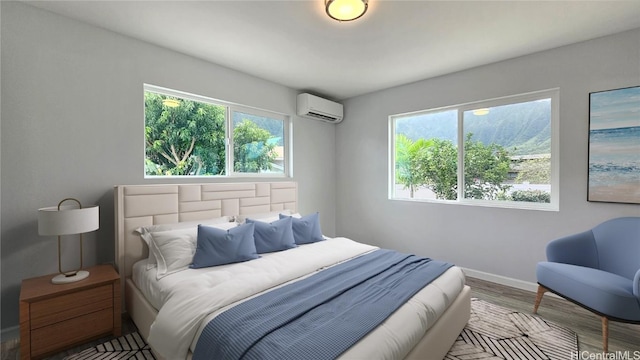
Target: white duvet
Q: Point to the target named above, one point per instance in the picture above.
(187, 300)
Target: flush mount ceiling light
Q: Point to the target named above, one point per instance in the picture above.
(346, 10)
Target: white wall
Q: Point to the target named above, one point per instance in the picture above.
(504, 242)
(72, 126)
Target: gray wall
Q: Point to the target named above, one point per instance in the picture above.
(72, 126)
(503, 242)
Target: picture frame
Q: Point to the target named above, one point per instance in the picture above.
(614, 146)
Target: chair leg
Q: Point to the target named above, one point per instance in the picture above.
(605, 334)
(541, 291)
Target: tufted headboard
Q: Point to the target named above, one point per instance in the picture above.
(143, 205)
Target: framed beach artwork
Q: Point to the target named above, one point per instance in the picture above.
(614, 146)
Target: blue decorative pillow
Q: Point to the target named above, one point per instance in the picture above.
(306, 230)
(274, 236)
(219, 247)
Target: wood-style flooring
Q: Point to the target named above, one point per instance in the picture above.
(622, 337)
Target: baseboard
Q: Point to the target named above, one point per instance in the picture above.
(504, 280)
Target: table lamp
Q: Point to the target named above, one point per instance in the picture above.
(68, 220)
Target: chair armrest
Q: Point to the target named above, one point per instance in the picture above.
(578, 249)
(636, 285)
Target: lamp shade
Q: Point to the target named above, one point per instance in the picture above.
(68, 221)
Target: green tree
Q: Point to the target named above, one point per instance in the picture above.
(407, 163)
(252, 149)
(439, 164)
(184, 140)
(430, 163)
(433, 163)
(486, 167)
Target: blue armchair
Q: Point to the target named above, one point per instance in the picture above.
(598, 269)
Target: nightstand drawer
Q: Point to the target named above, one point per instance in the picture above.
(51, 311)
(50, 338)
(56, 317)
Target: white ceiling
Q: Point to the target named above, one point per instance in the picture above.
(295, 44)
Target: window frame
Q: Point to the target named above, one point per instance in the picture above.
(230, 108)
(553, 205)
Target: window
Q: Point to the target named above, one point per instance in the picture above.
(258, 143)
(190, 135)
(499, 152)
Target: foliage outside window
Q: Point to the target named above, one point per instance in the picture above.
(258, 143)
(188, 135)
(496, 153)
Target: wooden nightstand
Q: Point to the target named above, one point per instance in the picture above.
(57, 317)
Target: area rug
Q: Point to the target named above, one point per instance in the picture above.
(130, 346)
(493, 332)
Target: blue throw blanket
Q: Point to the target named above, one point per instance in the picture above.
(321, 316)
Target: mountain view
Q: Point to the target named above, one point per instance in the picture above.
(522, 128)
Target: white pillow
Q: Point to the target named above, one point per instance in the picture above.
(146, 236)
(174, 249)
(264, 217)
(145, 231)
(184, 224)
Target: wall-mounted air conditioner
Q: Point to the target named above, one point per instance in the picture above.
(314, 107)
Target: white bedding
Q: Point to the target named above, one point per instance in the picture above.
(187, 300)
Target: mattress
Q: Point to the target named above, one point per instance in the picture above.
(394, 338)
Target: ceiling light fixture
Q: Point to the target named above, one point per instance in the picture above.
(346, 10)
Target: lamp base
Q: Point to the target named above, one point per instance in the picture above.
(64, 279)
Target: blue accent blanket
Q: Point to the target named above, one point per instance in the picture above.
(321, 316)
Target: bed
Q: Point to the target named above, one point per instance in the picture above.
(423, 328)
